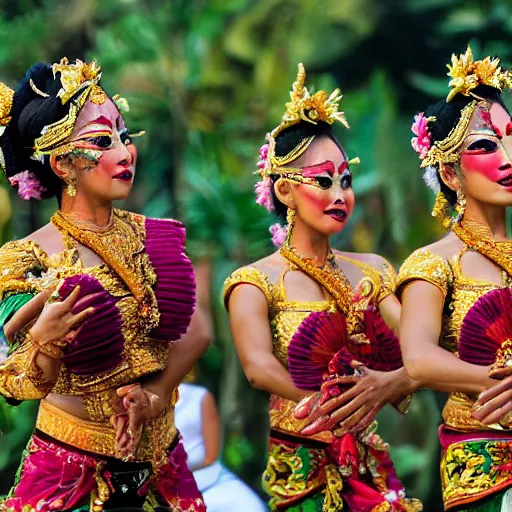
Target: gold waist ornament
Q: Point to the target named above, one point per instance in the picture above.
(99, 437)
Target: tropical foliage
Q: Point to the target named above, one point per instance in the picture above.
(206, 79)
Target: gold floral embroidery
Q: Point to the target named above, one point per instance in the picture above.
(473, 470)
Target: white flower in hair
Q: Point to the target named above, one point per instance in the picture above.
(432, 179)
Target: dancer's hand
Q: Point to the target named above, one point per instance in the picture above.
(355, 409)
(495, 404)
(57, 323)
(26, 314)
(139, 405)
(320, 409)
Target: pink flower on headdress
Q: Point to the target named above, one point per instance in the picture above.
(29, 187)
(264, 152)
(421, 143)
(262, 163)
(263, 191)
(278, 233)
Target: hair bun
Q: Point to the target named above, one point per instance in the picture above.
(34, 106)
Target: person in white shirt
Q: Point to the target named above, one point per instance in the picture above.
(198, 421)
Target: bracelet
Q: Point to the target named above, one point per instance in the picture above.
(51, 348)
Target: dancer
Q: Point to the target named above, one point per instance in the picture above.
(455, 325)
(198, 421)
(306, 318)
(90, 304)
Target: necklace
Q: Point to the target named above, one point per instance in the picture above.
(88, 225)
(479, 238)
(330, 276)
(120, 245)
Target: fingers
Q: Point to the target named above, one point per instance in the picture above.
(85, 302)
(70, 300)
(319, 425)
(80, 317)
(26, 313)
(306, 406)
(492, 410)
(498, 414)
(494, 391)
(349, 411)
(360, 423)
(124, 390)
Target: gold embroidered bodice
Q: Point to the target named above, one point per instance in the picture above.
(286, 316)
(461, 293)
(143, 297)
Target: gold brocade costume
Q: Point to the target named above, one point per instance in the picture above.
(460, 294)
(476, 457)
(26, 268)
(310, 470)
(285, 318)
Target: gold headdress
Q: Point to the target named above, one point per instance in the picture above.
(302, 106)
(74, 78)
(467, 74)
(310, 108)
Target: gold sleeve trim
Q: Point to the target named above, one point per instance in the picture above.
(423, 265)
(21, 378)
(246, 275)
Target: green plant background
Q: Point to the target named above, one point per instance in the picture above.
(206, 79)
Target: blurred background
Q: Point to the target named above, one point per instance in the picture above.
(207, 79)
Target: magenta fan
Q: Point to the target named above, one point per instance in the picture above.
(486, 332)
(383, 352)
(320, 336)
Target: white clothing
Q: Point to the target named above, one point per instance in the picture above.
(222, 490)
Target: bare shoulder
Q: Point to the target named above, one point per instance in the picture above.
(374, 260)
(272, 265)
(446, 247)
(48, 238)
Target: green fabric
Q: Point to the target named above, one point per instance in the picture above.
(313, 504)
(8, 307)
(490, 504)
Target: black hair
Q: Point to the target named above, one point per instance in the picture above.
(448, 115)
(288, 140)
(30, 113)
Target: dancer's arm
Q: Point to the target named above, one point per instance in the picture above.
(250, 328)
(425, 361)
(31, 370)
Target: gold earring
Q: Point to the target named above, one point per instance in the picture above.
(460, 206)
(440, 210)
(71, 186)
(290, 220)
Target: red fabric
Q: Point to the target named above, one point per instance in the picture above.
(56, 478)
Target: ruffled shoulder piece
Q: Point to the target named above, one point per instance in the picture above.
(21, 261)
(424, 265)
(175, 287)
(247, 275)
